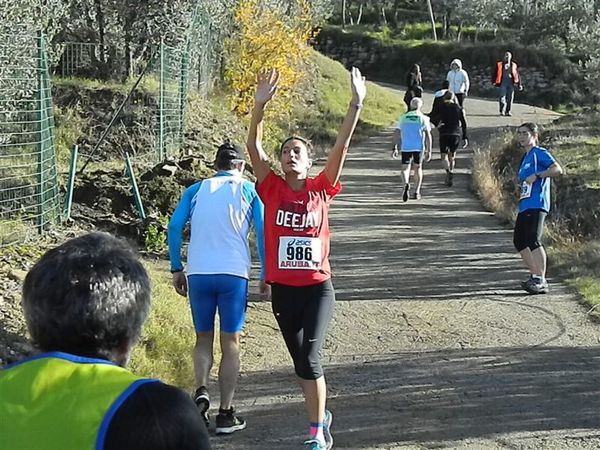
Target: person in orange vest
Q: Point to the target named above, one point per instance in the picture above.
(85, 302)
(506, 77)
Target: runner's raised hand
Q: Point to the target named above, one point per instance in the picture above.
(266, 85)
(359, 87)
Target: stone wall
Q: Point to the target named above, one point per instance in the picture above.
(548, 78)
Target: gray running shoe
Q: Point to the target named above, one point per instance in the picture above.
(535, 286)
(415, 196)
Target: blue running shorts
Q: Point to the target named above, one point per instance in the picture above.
(227, 293)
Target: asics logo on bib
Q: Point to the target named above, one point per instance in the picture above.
(294, 220)
(303, 242)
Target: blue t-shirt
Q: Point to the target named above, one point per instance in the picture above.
(537, 195)
(413, 125)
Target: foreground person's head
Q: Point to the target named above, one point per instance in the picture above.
(89, 297)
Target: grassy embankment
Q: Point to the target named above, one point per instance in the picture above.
(169, 336)
(573, 230)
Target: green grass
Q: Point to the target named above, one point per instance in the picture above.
(589, 287)
(149, 84)
(69, 127)
(165, 348)
(575, 143)
(321, 121)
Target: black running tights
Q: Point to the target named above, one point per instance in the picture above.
(303, 314)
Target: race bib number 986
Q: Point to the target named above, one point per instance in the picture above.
(302, 253)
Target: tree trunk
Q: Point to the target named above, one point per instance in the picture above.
(447, 24)
(360, 11)
(430, 8)
(459, 31)
(128, 72)
(343, 13)
(101, 22)
(383, 15)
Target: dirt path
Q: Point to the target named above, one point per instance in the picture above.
(433, 343)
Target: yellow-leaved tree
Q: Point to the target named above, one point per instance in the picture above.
(268, 37)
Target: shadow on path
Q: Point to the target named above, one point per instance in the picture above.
(435, 396)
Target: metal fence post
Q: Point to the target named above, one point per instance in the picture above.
(71, 182)
(136, 193)
(161, 105)
(41, 110)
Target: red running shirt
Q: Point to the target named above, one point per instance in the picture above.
(297, 230)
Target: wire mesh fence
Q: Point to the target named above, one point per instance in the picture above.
(172, 69)
(150, 126)
(29, 201)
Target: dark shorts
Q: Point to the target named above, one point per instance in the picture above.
(449, 143)
(460, 98)
(529, 228)
(407, 157)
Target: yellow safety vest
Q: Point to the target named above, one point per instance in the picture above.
(58, 401)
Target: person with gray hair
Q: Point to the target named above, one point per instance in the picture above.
(85, 302)
(413, 135)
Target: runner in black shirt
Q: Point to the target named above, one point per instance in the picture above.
(452, 126)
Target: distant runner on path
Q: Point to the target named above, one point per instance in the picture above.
(459, 81)
(452, 127)
(537, 167)
(297, 245)
(221, 211)
(413, 135)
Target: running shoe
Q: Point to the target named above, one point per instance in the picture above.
(508, 114)
(449, 179)
(405, 193)
(202, 401)
(227, 422)
(327, 421)
(535, 286)
(415, 196)
(315, 444)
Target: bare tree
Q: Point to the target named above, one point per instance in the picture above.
(430, 8)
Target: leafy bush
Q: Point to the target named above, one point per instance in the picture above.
(267, 38)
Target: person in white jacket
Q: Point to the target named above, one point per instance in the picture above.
(459, 81)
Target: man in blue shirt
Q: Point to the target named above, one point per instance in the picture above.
(221, 211)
